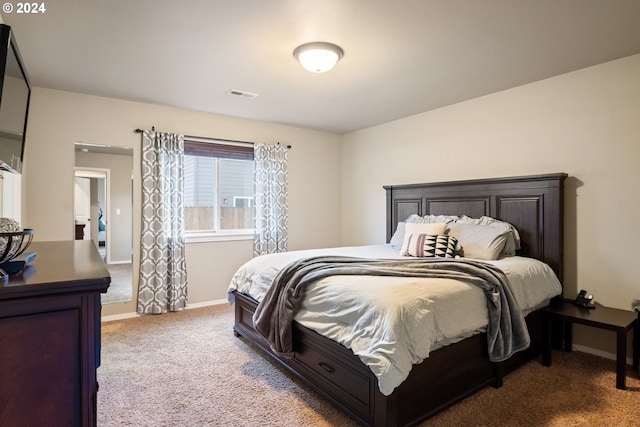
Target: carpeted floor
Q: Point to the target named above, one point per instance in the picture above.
(188, 369)
(121, 286)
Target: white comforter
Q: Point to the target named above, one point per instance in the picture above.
(391, 323)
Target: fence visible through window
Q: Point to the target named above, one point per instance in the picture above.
(219, 192)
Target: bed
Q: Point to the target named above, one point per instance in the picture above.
(451, 372)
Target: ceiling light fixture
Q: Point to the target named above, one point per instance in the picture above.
(318, 57)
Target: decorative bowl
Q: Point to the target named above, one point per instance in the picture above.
(14, 243)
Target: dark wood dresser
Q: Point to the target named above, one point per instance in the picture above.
(50, 336)
(80, 231)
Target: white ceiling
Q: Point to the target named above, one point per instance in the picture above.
(402, 57)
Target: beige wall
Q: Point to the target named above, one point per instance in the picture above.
(57, 119)
(585, 123)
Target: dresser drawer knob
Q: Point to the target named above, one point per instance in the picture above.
(326, 367)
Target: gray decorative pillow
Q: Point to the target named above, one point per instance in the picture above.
(434, 246)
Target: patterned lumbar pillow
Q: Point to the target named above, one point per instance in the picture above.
(428, 245)
(420, 228)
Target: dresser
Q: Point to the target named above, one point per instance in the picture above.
(50, 336)
(80, 231)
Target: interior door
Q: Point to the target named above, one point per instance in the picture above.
(83, 205)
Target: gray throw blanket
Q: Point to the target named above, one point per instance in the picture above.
(506, 334)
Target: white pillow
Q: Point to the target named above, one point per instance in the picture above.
(439, 218)
(513, 239)
(480, 241)
(398, 236)
(414, 218)
(420, 228)
(430, 219)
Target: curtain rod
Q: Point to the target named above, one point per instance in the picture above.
(153, 128)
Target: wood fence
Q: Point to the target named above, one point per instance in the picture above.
(201, 218)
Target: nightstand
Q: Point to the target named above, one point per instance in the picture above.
(612, 319)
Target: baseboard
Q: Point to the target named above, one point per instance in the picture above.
(122, 316)
(189, 307)
(208, 303)
(600, 353)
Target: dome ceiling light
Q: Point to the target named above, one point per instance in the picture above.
(318, 57)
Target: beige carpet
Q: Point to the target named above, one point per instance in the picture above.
(188, 369)
(121, 286)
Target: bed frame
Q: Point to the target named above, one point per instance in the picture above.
(533, 204)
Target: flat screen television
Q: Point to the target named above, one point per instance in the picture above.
(15, 93)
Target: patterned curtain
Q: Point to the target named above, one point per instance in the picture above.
(271, 206)
(163, 272)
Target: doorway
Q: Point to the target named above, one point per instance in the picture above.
(91, 207)
(103, 211)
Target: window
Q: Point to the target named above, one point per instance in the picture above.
(218, 187)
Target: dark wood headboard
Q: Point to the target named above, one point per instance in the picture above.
(533, 204)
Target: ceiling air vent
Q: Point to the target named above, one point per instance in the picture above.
(242, 94)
